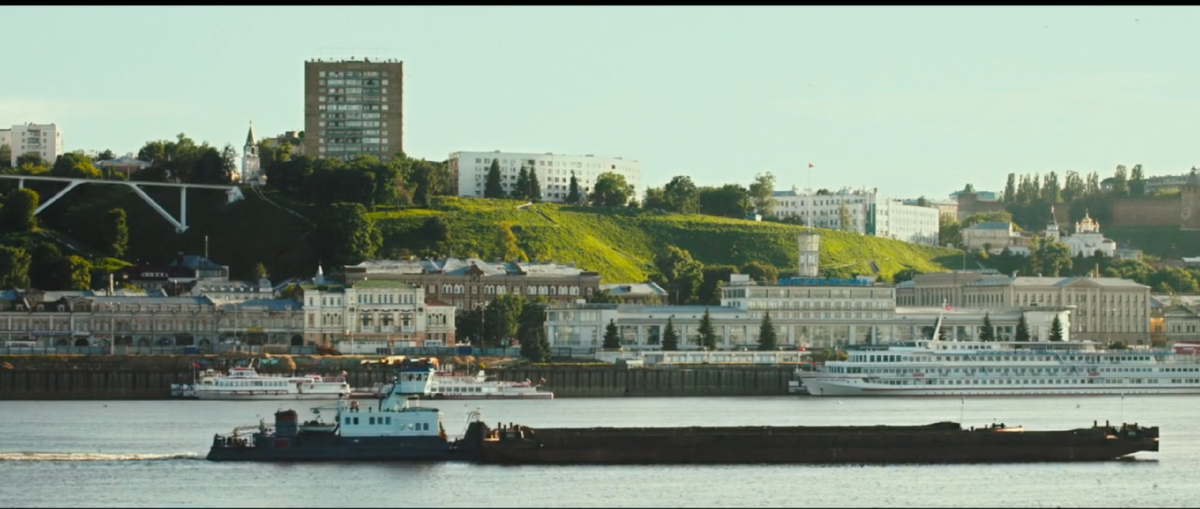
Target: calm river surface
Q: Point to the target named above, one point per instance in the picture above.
(150, 453)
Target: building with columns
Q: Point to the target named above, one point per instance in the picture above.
(369, 315)
(1104, 309)
(805, 313)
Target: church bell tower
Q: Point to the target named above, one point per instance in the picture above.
(250, 169)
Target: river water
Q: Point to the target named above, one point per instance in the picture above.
(150, 453)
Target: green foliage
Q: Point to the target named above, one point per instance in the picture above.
(678, 274)
(670, 338)
(73, 165)
(611, 190)
(1049, 257)
(80, 273)
(949, 230)
(260, 271)
(1056, 330)
(845, 222)
(904, 275)
(766, 334)
(714, 278)
(347, 235)
(681, 195)
(115, 233)
(612, 338)
(14, 268)
(531, 332)
(501, 320)
(654, 199)
(729, 200)
(621, 244)
(762, 193)
(603, 297)
(988, 331)
(17, 215)
(762, 273)
(491, 185)
(188, 162)
(5, 155)
(573, 195)
(1022, 329)
(48, 268)
(535, 187)
(506, 243)
(30, 159)
(520, 190)
(706, 332)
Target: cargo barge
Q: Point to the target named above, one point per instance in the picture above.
(394, 429)
(944, 442)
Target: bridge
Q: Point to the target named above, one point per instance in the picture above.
(234, 193)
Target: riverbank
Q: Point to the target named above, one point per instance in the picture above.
(97, 378)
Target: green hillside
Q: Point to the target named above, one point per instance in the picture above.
(620, 244)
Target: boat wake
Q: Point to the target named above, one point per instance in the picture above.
(94, 456)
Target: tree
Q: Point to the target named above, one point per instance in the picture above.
(48, 268)
(844, 217)
(346, 235)
(1022, 329)
(1051, 192)
(5, 156)
(502, 318)
(79, 272)
(1137, 182)
(905, 274)
(603, 297)
(681, 195)
(535, 187)
(73, 165)
(426, 180)
(491, 186)
(763, 273)
(114, 233)
(762, 193)
(30, 158)
(655, 199)
(1010, 189)
(766, 333)
(1073, 187)
(611, 190)
(14, 268)
(706, 331)
(17, 215)
(260, 271)
(670, 339)
(1056, 329)
(1049, 257)
(573, 196)
(1120, 184)
(506, 243)
(432, 234)
(713, 277)
(949, 230)
(678, 274)
(987, 332)
(729, 200)
(520, 191)
(612, 338)
(531, 332)
(922, 201)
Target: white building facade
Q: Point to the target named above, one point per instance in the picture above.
(43, 139)
(470, 169)
(372, 315)
(868, 213)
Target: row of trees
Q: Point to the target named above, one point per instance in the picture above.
(505, 318)
(687, 281)
(397, 182)
(706, 336)
(730, 200)
(987, 333)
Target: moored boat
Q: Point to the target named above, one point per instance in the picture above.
(449, 385)
(244, 383)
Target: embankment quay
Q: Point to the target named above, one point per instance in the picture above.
(62, 383)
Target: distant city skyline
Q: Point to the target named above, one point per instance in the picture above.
(910, 100)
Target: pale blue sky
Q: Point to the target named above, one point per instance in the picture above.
(911, 100)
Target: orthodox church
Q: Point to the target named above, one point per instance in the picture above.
(1087, 239)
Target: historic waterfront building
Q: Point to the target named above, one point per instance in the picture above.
(1104, 309)
(370, 315)
(61, 319)
(472, 282)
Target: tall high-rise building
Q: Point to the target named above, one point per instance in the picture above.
(353, 107)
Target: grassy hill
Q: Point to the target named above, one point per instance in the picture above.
(620, 244)
(1161, 241)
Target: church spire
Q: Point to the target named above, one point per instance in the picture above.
(250, 135)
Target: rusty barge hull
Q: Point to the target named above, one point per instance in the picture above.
(938, 443)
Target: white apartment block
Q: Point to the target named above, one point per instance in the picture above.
(43, 139)
(470, 170)
(868, 212)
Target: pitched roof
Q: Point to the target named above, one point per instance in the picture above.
(250, 135)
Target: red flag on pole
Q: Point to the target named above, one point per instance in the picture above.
(810, 165)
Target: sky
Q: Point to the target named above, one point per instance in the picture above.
(912, 101)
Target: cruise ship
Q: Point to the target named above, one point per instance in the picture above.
(1002, 368)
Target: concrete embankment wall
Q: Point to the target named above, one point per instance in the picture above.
(611, 381)
(565, 382)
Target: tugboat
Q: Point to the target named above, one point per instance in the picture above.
(395, 429)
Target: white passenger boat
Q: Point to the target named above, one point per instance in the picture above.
(244, 383)
(974, 368)
(449, 385)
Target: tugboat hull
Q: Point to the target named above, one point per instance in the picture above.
(335, 448)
